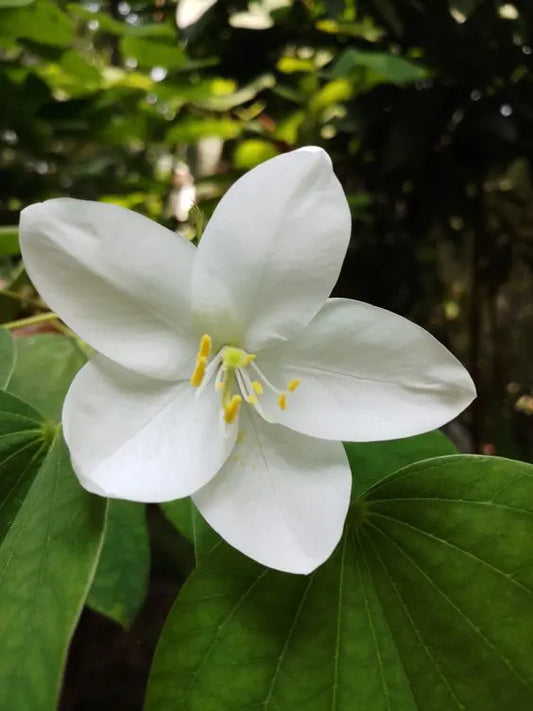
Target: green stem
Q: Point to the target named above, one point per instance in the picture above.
(31, 320)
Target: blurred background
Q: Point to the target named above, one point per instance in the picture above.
(425, 106)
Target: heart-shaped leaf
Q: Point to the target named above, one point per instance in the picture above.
(50, 537)
(426, 605)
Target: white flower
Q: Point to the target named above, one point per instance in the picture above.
(218, 367)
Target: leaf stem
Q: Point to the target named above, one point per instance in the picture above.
(31, 320)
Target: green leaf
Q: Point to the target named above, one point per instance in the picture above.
(51, 534)
(9, 241)
(192, 130)
(7, 358)
(377, 67)
(253, 151)
(153, 53)
(42, 21)
(121, 581)
(15, 3)
(46, 365)
(189, 522)
(426, 605)
(373, 461)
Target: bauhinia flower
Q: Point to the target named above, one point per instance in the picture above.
(224, 372)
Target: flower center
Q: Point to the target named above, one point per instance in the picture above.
(231, 368)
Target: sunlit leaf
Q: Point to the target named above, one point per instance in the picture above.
(152, 52)
(42, 21)
(15, 3)
(191, 130)
(253, 151)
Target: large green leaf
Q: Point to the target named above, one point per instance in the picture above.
(7, 357)
(121, 581)
(426, 605)
(51, 533)
(46, 365)
(373, 461)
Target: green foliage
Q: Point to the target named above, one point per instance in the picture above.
(51, 537)
(41, 21)
(9, 241)
(45, 366)
(121, 581)
(372, 461)
(377, 67)
(152, 52)
(421, 607)
(15, 3)
(7, 357)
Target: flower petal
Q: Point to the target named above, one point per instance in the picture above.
(189, 12)
(138, 438)
(121, 281)
(365, 374)
(281, 498)
(272, 251)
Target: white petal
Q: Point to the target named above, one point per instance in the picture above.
(272, 251)
(366, 375)
(121, 281)
(281, 498)
(137, 438)
(189, 12)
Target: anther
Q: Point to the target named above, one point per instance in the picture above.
(252, 399)
(293, 384)
(282, 401)
(256, 385)
(199, 371)
(232, 408)
(205, 346)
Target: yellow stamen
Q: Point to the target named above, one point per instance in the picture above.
(293, 384)
(250, 358)
(282, 401)
(205, 346)
(199, 371)
(252, 399)
(256, 385)
(232, 408)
